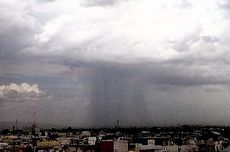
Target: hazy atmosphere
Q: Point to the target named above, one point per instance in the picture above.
(91, 62)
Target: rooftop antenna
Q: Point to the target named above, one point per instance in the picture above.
(117, 124)
(34, 118)
(16, 124)
(34, 124)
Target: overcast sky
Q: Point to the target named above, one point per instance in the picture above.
(92, 62)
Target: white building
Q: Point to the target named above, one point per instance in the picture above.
(92, 140)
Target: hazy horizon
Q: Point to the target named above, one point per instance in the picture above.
(92, 62)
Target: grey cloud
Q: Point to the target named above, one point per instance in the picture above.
(225, 4)
(46, 0)
(183, 44)
(99, 2)
(135, 94)
(209, 39)
(115, 95)
(186, 4)
(120, 91)
(17, 30)
(86, 58)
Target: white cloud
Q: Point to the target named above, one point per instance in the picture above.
(23, 88)
(131, 29)
(20, 92)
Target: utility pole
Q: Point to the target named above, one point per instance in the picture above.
(179, 142)
(34, 142)
(34, 117)
(118, 123)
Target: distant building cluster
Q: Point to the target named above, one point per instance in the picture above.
(155, 139)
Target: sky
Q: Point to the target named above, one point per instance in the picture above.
(89, 63)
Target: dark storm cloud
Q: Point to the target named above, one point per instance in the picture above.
(120, 91)
(165, 73)
(138, 61)
(116, 94)
(17, 30)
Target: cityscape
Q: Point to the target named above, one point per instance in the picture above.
(180, 138)
(114, 75)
